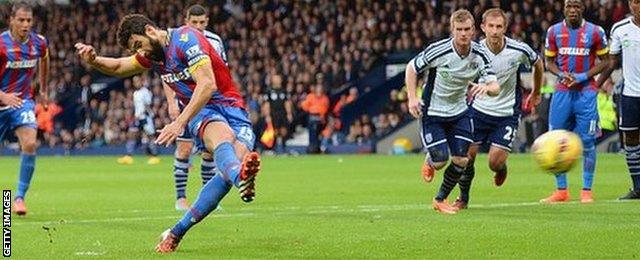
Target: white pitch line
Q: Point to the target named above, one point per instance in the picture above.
(289, 210)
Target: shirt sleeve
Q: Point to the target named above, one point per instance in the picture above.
(532, 56)
(141, 61)
(423, 60)
(616, 43)
(600, 45)
(487, 74)
(44, 46)
(195, 53)
(550, 47)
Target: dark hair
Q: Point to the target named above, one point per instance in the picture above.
(196, 10)
(21, 5)
(132, 24)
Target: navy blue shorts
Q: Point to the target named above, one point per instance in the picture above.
(12, 118)
(442, 136)
(498, 131)
(629, 113)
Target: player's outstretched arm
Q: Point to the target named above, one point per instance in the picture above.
(410, 80)
(614, 62)
(118, 67)
(202, 74)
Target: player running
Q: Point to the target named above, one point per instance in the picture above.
(571, 49)
(21, 50)
(496, 119)
(214, 111)
(625, 49)
(453, 65)
(197, 18)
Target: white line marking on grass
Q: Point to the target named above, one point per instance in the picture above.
(89, 253)
(314, 210)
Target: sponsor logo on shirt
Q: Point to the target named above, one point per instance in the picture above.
(22, 64)
(574, 51)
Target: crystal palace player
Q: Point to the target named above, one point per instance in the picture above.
(21, 50)
(571, 49)
(625, 49)
(496, 119)
(214, 111)
(446, 122)
(196, 17)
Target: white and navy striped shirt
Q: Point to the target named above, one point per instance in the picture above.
(625, 40)
(217, 44)
(445, 92)
(506, 64)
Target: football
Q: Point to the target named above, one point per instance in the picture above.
(557, 151)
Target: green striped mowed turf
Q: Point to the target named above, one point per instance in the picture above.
(321, 207)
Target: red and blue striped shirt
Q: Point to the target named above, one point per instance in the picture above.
(18, 61)
(575, 49)
(187, 50)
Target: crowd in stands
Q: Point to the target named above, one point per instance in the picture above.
(286, 48)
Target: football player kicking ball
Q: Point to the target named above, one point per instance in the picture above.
(496, 119)
(196, 17)
(214, 111)
(446, 120)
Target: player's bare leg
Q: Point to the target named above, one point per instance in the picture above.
(498, 164)
(27, 139)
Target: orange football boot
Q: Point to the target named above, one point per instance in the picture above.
(428, 172)
(459, 204)
(556, 197)
(169, 242)
(248, 173)
(443, 207)
(586, 196)
(499, 178)
(19, 207)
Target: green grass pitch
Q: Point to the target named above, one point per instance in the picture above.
(323, 207)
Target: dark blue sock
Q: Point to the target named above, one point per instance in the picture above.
(227, 162)
(207, 201)
(451, 177)
(27, 166)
